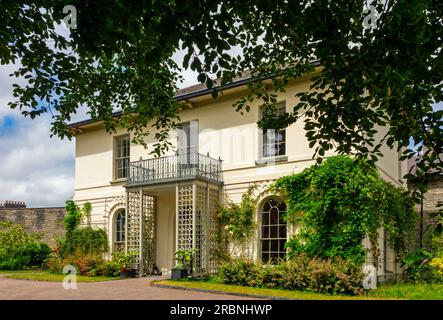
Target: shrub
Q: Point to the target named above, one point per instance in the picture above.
(12, 234)
(54, 263)
(107, 269)
(338, 276)
(417, 265)
(37, 252)
(239, 271)
(299, 273)
(120, 262)
(437, 268)
(14, 262)
(85, 265)
(20, 249)
(24, 255)
(272, 276)
(423, 266)
(84, 241)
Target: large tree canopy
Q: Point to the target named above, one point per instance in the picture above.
(120, 56)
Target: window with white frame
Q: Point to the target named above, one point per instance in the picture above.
(120, 221)
(121, 156)
(274, 141)
(273, 230)
(188, 144)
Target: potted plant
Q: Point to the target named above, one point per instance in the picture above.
(183, 258)
(124, 261)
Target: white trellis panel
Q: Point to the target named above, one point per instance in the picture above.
(197, 226)
(140, 239)
(149, 232)
(184, 232)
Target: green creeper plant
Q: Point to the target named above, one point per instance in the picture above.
(74, 214)
(339, 202)
(83, 241)
(237, 220)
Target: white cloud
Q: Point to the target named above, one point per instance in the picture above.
(33, 167)
(6, 90)
(190, 77)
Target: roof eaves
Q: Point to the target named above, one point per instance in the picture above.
(198, 93)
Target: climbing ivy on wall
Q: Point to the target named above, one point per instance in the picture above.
(337, 203)
(237, 220)
(74, 215)
(81, 240)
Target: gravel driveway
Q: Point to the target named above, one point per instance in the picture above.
(130, 289)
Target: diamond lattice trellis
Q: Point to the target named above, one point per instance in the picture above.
(197, 224)
(184, 217)
(140, 230)
(149, 232)
(213, 229)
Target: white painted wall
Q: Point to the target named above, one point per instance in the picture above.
(223, 133)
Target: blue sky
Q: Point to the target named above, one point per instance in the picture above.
(8, 123)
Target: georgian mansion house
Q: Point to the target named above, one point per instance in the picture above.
(153, 206)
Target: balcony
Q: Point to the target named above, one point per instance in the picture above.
(179, 167)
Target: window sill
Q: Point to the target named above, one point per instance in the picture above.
(118, 181)
(270, 160)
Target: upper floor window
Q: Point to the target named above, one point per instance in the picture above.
(121, 156)
(187, 144)
(274, 141)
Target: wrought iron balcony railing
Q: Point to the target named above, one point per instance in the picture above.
(181, 166)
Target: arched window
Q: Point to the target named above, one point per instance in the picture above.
(273, 230)
(119, 243)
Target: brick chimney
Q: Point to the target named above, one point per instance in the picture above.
(13, 205)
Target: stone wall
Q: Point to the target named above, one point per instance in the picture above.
(433, 195)
(430, 201)
(46, 220)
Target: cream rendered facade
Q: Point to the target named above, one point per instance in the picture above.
(222, 133)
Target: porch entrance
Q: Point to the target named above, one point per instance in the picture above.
(194, 183)
(154, 233)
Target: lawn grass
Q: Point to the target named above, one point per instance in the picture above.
(277, 293)
(3, 272)
(410, 291)
(42, 275)
(385, 292)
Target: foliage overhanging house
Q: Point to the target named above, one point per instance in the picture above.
(154, 206)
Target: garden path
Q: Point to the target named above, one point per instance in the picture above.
(128, 289)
